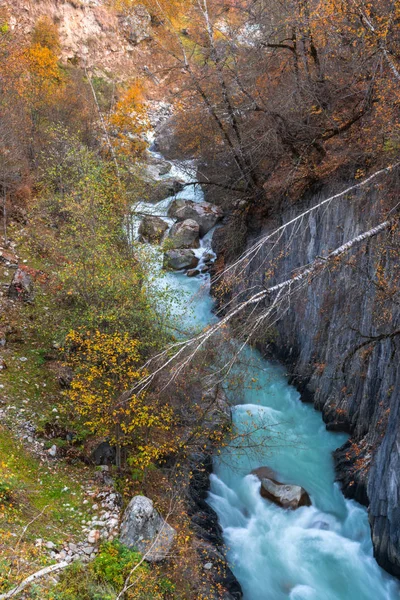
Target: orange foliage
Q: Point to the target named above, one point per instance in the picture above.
(128, 122)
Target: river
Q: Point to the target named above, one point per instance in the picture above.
(320, 552)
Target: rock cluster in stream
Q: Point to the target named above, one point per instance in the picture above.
(318, 336)
(205, 214)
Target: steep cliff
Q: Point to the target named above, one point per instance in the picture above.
(92, 34)
(340, 338)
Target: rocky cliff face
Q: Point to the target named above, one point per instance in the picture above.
(91, 33)
(339, 338)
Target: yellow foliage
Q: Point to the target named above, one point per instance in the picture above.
(105, 366)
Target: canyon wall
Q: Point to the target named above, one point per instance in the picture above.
(340, 339)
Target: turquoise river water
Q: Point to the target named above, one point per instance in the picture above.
(321, 552)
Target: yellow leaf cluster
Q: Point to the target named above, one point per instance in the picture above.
(105, 366)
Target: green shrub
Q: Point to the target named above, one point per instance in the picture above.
(114, 563)
(106, 575)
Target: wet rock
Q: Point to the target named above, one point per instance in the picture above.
(159, 190)
(185, 234)
(208, 257)
(205, 214)
(193, 272)
(204, 522)
(152, 229)
(144, 528)
(222, 576)
(157, 167)
(164, 169)
(323, 525)
(180, 259)
(315, 338)
(21, 287)
(284, 495)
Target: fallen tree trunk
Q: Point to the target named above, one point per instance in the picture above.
(32, 578)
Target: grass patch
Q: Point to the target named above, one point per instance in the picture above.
(37, 500)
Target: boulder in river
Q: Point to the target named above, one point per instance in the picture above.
(151, 229)
(159, 190)
(185, 234)
(283, 494)
(193, 272)
(180, 259)
(204, 213)
(144, 528)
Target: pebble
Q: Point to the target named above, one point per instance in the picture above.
(93, 536)
(53, 450)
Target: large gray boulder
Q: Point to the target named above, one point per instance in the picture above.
(143, 528)
(152, 229)
(180, 259)
(21, 287)
(204, 213)
(283, 494)
(185, 234)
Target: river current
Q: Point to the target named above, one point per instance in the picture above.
(320, 552)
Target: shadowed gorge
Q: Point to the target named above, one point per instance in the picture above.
(199, 299)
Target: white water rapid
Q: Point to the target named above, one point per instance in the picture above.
(321, 552)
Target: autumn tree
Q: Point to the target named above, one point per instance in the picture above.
(273, 95)
(106, 365)
(128, 123)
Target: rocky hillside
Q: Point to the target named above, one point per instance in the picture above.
(92, 34)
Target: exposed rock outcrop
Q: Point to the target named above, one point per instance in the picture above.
(143, 528)
(136, 26)
(204, 213)
(338, 338)
(91, 31)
